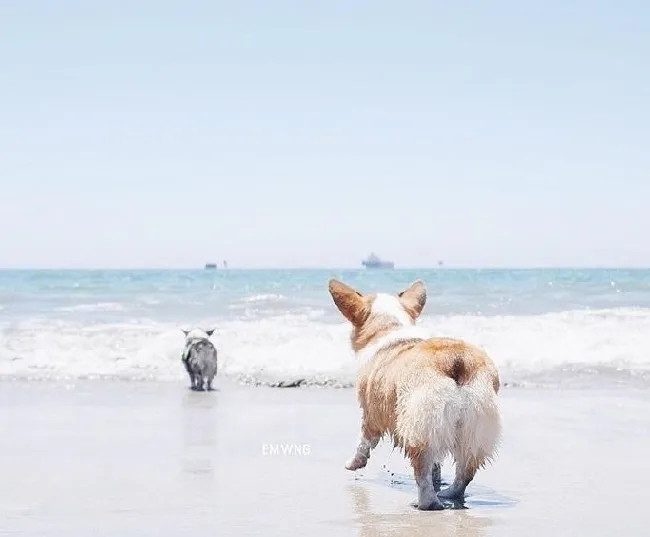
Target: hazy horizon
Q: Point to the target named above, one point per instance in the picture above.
(292, 135)
(269, 268)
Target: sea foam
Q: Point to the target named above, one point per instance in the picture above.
(304, 348)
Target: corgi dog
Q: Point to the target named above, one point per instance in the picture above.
(199, 358)
(434, 397)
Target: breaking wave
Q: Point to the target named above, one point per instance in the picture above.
(293, 349)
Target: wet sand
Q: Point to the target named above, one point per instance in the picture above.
(111, 458)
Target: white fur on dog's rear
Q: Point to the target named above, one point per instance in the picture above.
(429, 414)
(480, 424)
(461, 421)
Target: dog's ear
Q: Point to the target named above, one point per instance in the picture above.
(414, 298)
(186, 332)
(210, 332)
(349, 302)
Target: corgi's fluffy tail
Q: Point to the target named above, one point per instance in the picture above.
(450, 419)
(479, 428)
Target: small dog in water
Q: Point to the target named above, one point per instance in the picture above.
(434, 396)
(200, 358)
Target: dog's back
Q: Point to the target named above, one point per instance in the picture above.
(200, 359)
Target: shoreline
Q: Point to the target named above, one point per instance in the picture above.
(582, 378)
(156, 458)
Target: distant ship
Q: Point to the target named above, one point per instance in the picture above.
(373, 262)
(210, 265)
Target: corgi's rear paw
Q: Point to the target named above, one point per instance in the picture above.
(431, 505)
(356, 463)
(452, 493)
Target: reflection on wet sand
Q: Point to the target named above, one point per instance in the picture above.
(413, 523)
(198, 417)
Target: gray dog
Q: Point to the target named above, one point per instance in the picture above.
(200, 358)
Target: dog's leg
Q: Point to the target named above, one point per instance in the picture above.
(199, 382)
(210, 384)
(436, 476)
(475, 444)
(368, 440)
(422, 462)
(466, 468)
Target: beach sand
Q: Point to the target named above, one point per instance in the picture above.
(126, 459)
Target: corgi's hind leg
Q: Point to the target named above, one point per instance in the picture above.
(368, 440)
(436, 476)
(466, 468)
(423, 467)
(475, 445)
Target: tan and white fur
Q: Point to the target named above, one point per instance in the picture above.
(435, 397)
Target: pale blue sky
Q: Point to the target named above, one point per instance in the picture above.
(293, 133)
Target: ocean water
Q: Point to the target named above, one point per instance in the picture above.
(542, 327)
